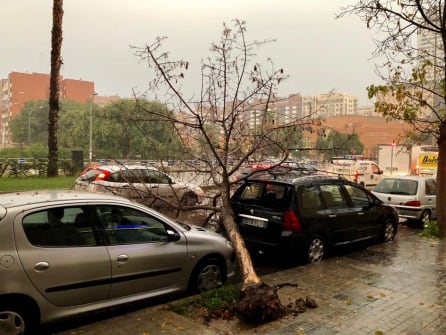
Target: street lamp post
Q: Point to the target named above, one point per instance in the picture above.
(29, 127)
(90, 152)
(391, 158)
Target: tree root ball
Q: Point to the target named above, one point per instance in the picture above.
(259, 303)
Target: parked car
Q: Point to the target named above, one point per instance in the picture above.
(140, 183)
(257, 170)
(64, 253)
(306, 216)
(414, 197)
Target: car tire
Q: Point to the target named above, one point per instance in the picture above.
(389, 231)
(189, 199)
(16, 319)
(424, 220)
(209, 274)
(316, 249)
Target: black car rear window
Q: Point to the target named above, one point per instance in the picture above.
(265, 194)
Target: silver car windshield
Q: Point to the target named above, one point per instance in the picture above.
(397, 186)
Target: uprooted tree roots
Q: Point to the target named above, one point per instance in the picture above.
(260, 303)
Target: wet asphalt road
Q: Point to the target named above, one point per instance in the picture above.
(396, 288)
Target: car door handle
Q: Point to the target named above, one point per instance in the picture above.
(41, 266)
(123, 259)
(332, 215)
(360, 213)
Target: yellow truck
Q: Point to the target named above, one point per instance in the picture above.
(427, 164)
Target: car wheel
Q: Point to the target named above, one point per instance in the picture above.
(208, 275)
(424, 220)
(189, 199)
(15, 320)
(389, 231)
(315, 250)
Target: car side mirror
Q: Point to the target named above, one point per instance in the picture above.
(366, 207)
(172, 235)
(375, 202)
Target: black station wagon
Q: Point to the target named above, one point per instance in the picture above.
(306, 216)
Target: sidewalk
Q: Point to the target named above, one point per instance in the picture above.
(397, 288)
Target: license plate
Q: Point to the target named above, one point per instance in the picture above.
(254, 223)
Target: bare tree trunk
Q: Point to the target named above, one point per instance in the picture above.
(441, 180)
(258, 301)
(56, 62)
(248, 273)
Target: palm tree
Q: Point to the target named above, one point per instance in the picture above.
(56, 62)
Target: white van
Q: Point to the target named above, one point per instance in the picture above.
(364, 172)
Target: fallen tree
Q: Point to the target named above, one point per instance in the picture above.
(229, 123)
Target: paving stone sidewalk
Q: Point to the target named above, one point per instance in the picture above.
(397, 288)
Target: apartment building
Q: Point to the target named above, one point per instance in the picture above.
(278, 111)
(331, 104)
(20, 88)
(430, 48)
(340, 112)
(366, 111)
(295, 107)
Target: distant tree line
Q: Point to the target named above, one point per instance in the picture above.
(338, 144)
(136, 129)
(122, 129)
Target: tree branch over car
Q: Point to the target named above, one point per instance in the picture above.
(413, 74)
(230, 122)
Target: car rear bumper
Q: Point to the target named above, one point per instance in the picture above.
(411, 213)
(290, 244)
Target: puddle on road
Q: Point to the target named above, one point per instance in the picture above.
(375, 256)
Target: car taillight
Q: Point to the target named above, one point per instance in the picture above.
(103, 175)
(355, 177)
(291, 222)
(413, 203)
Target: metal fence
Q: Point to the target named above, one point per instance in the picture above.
(24, 167)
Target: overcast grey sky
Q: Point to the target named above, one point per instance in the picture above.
(318, 52)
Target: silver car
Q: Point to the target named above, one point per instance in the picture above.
(64, 253)
(413, 196)
(143, 184)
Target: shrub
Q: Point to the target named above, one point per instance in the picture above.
(218, 299)
(431, 230)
